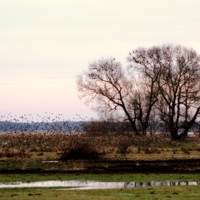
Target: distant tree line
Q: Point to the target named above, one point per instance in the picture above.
(161, 84)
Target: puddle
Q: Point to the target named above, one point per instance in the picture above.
(80, 185)
(50, 161)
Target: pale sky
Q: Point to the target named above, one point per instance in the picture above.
(45, 44)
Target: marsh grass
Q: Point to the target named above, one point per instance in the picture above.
(20, 146)
(79, 152)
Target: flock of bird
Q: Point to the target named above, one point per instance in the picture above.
(47, 123)
(43, 133)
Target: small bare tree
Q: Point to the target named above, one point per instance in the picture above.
(106, 83)
(114, 90)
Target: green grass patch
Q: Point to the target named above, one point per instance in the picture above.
(164, 193)
(97, 177)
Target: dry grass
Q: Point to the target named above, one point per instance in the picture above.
(52, 146)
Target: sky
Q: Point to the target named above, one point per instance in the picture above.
(45, 44)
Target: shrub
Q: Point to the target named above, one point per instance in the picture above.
(80, 150)
(123, 144)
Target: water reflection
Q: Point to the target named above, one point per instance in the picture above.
(96, 184)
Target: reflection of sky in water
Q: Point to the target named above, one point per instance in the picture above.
(98, 185)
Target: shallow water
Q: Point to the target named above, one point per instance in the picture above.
(77, 185)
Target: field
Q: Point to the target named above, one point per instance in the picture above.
(97, 154)
(31, 157)
(157, 193)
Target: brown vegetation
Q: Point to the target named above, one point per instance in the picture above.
(84, 146)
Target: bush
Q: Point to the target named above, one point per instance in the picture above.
(123, 144)
(80, 150)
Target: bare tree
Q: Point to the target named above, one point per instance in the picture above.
(175, 72)
(146, 93)
(180, 90)
(115, 91)
(106, 83)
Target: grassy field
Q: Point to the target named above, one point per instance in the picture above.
(4, 178)
(40, 147)
(175, 193)
(25, 157)
(97, 154)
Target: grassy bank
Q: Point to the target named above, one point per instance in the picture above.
(96, 177)
(164, 193)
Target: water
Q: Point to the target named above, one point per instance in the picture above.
(81, 185)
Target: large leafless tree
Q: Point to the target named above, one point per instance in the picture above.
(106, 84)
(175, 71)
